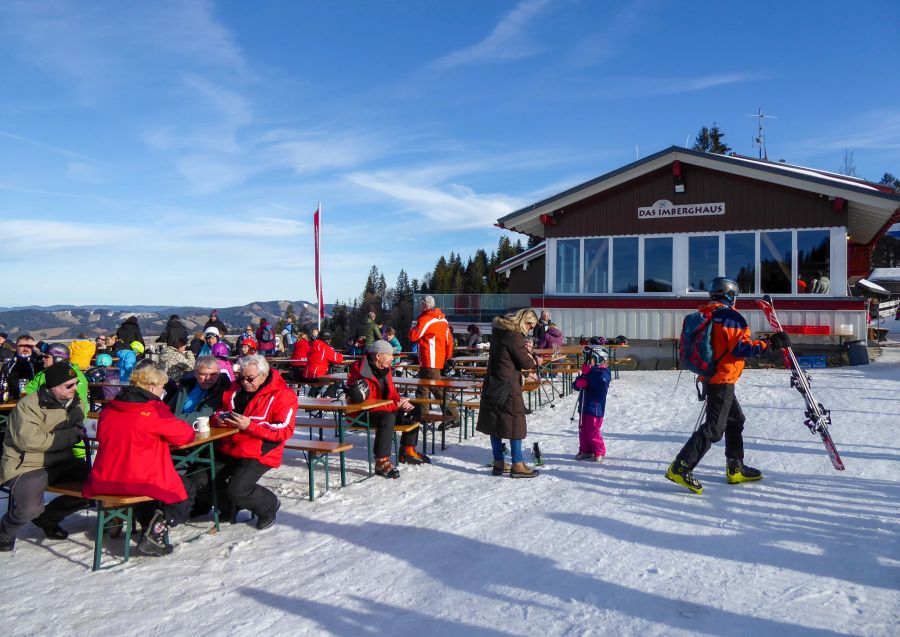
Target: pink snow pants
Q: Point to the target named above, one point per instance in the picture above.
(589, 438)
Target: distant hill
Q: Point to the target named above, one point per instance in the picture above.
(67, 321)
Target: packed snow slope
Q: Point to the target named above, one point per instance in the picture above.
(608, 549)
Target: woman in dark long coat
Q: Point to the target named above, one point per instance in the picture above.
(502, 411)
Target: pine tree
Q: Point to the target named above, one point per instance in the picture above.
(709, 140)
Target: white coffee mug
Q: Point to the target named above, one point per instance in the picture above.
(201, 425)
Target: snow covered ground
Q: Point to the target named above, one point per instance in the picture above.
(610, 549)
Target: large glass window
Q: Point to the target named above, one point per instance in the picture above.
(567, 265)
(813, 261)
(658, 264)
(775, 262)
(625, 265)
(740, 260)
(596, 266)
(703, 262)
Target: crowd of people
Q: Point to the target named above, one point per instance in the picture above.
(155, 404)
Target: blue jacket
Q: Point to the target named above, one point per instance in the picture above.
(594, 393)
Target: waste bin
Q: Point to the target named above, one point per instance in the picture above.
(858, 353)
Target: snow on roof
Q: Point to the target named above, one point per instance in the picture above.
(885, 274)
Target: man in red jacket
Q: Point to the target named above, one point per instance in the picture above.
(375, 369)
(262, 407)
(431, 334)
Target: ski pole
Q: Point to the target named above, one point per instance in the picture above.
(577, 406)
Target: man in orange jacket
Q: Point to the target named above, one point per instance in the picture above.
(431, 334)
(731, 344)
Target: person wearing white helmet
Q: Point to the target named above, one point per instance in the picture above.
(592, 385)
(211, 336)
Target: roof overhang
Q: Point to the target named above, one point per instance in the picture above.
(870, 209)
(523, 258)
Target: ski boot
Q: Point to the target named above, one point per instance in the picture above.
(409, 455)
(679, 473)
(154, 540)
(385, 469)
(736, 472)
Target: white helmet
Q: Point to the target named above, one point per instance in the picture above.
(597, 353)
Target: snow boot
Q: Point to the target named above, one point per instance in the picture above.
(679, 473)
(52, 531)
(736, 472)
(409, 455)
(522, 470)
(267, 520)
(500, 468)
(7, 544)
(385, 469)
(587, 457)
(154, 540)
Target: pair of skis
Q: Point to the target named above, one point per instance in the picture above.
(818, 418)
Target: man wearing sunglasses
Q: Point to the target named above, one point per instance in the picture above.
(37, 452)
(262, 407)
(20, 369)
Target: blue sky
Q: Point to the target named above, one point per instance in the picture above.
(174, 152)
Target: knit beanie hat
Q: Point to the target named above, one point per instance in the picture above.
(58, 374)
(380, 347)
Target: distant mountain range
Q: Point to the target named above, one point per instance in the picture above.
(68, 321)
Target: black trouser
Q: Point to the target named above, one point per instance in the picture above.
(175, 513)
(723, 416)
(383, 423)
(236, 485)
(28, 497)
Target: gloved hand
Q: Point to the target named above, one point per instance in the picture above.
(580, 383)
(779, 340)
(448, 367)
(587, 367)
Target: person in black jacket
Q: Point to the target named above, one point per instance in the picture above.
(216, 323)
(541, 327)
(129, 331)
(175, 331)
(6, 349)
(17, 371)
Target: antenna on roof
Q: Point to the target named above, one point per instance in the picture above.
(760, 139)
(637, 152)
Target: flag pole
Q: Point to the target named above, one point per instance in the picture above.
(319, 294)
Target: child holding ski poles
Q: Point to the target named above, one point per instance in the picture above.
(592, 385)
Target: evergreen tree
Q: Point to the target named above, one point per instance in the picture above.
(889, 180)
(709, 140)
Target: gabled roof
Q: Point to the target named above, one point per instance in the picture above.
(870, 206)
(523, 257)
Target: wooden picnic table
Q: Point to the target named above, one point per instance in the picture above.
(343, 410)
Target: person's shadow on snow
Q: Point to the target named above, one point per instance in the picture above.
(508, 575)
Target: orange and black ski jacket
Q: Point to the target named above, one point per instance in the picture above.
(731, 343)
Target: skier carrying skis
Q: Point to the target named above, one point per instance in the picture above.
(731, 344)
(592, 384)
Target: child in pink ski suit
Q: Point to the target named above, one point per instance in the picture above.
(592, 384)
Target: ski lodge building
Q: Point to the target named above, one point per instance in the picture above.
(633, 251)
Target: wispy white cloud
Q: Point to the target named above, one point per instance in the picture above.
(508, 41)
(618, 88)
(451, 206)
(54, 149)
(25, 235)
(874, 130)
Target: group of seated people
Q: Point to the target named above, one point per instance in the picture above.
(154, 410)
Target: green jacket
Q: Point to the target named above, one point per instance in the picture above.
(368, 330)
(40, 433)
(38, 381)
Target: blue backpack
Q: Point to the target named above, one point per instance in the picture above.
(695, 350)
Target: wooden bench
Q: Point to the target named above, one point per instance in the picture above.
(109, 508)
(317, 452)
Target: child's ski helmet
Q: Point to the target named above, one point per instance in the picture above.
(597, 353)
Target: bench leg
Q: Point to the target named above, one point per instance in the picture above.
(129, 516)
(98, 540)
(311, 463)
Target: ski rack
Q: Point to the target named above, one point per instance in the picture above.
(818, 418)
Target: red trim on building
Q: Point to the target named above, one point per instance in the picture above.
(665, 303)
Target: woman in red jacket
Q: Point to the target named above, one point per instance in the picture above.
(299, 354)
(135, 431)
(317, 360)
(375, 369)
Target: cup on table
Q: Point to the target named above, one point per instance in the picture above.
(90, 427)
(201, 425)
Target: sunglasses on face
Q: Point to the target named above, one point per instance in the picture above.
(26, 346)
(248, 379)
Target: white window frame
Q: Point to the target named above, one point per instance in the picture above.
(680, 254)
